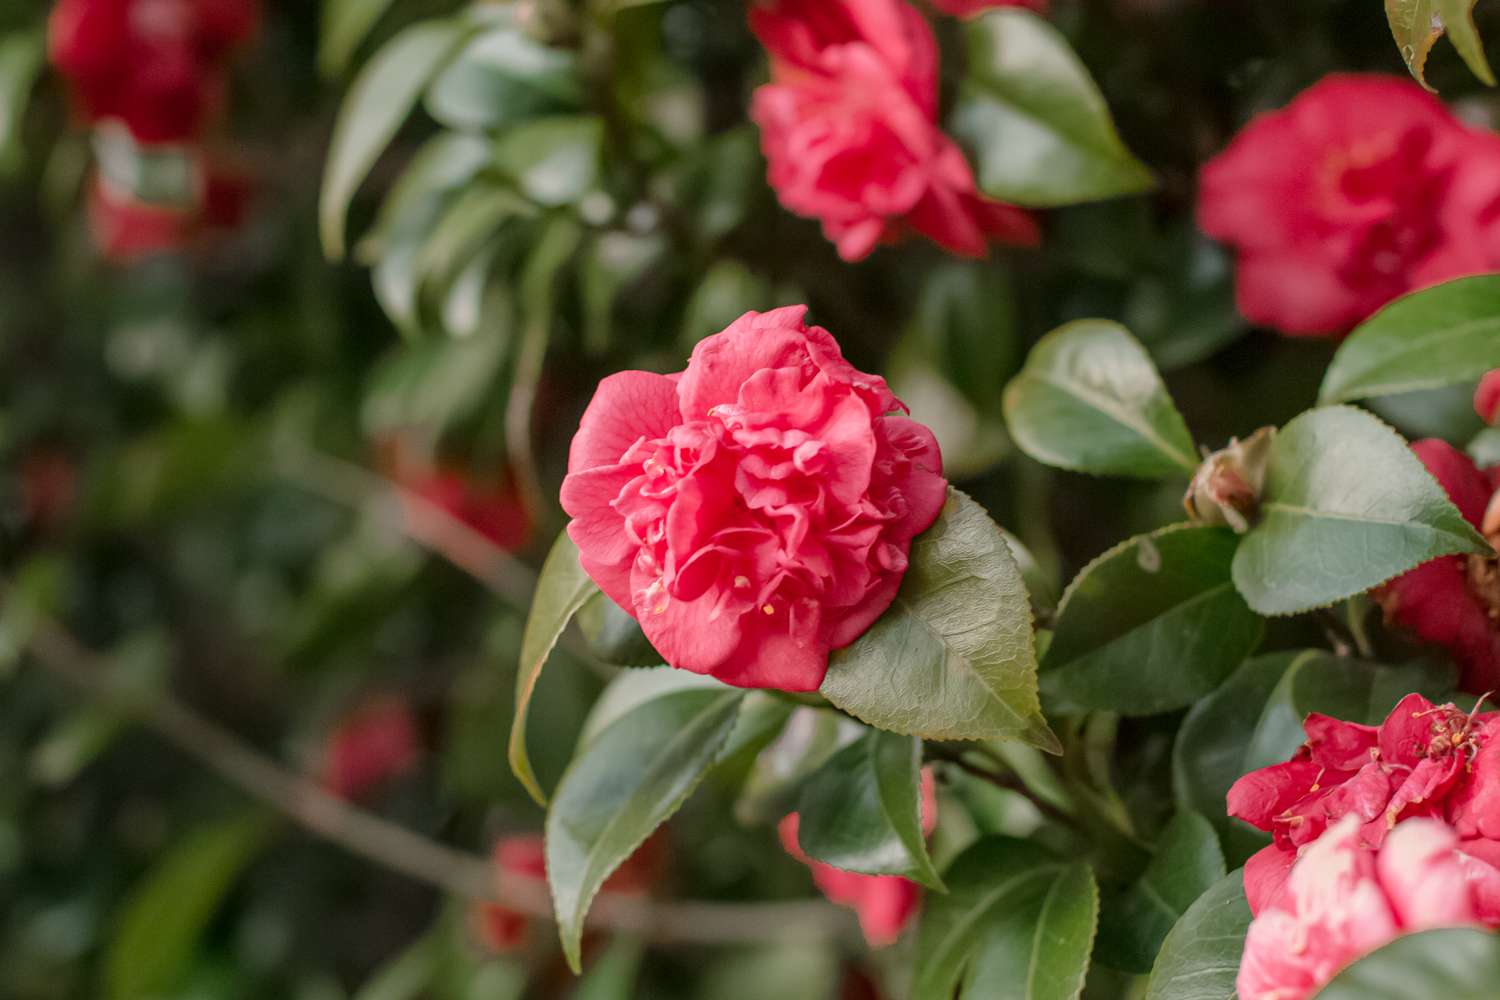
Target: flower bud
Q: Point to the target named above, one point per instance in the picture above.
(1226, 488)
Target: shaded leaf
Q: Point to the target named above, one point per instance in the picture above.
(503, 76)
(346, 23)
(1200, 958)
(553, 161)
(1455, 963)
(22, 58)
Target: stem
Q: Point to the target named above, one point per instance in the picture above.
(394, 847)
(962, 760)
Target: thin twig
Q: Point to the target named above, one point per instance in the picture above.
(399, 849)
(1009, 782)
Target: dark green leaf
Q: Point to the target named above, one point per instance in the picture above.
(1187, 863)
(953, 657)
(1089, 399)
(501, 77)
(157, 931)
(1152, 625)
(1346, 507)
(862, 810)
(1454, 963)
(624, 784)
(1038, 126)
(1200, 958)
(378, 102)
(772, 786)
(561, 590)
(1018, 920)
(1439, 336)
(614, 636)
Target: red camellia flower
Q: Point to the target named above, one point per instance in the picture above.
(1344, 900)
(968, 8)
(369, 747)
(1487, 398)
(884, 904)
(753, 512)
(849, 129)
(1423, 760)
(1455, 601)
(152, 64)
(1361, 189)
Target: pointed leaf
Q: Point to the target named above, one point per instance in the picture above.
(501, 77)
(1152, 625)
(1090, 400)
(1439, 336)
(953, 657)
(1455, 963)
(1200, 958)
(561, 590)
(1458, 19)
(1416, 28)
(621, 787)
(862, 810)
(1039, 128)
(1346, 507)
(1041, 951)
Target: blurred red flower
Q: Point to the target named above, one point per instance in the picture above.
(968, 8)
(1487, 398)
(1360, 190)
(370, 746)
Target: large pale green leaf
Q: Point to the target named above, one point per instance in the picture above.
(1151, 625)
(378, 102)
(164, 916)
(623, 785)
(504, 76)
(953, 656)
(1346, 507)
(1038, 127)
(346, 23)
(1089, 399)
(1188, 862)
(1436, 337)
(561, 590)
(1017, 922)
(1200, 958)
(1454, 963)
(862, 810)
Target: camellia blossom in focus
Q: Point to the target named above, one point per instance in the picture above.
(1360, 190)
(1455, 601)
(885, 904)
(1344, 900)
(369, 747)
(753, 512)
(850, 131)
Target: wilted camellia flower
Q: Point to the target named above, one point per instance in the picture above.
(1455, 601)
(755, 511)
(1344, 900)
(849, 129)
(1360, 190)
(1423, 760)
(884, 904)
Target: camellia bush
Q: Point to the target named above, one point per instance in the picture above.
(743, 499)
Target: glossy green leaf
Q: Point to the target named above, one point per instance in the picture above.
(1200, 958)
(1016, 922)
(1089, 399)
(166, 913)
(953, 657)
(1037, 125)
(1188, 862)
(561, 590)
(862, 810)
(1416, 27)
(1458, 20)
(774, 782)
(615, 637)
(553, 161)
(1454, 963)
(621, 787)
(1435, 337)
(501, 77)
(378, 103)
(1346, 507)
(1152, 625)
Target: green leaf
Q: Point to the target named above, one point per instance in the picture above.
(22, 57)
(1187, 863)
(1152, 625)
(501, 77)
(1439, 336)
(862, 810)
(346, 23)
(953, 657)
(1455, 963)
(158, 928)
(561, 590)
(378, 102)
(553, 161)
(1019, 921)
(615, 637)
(1089, 399)
(1458, 18)
(1346, 507)
(1416, 28)
(1037, 124)
(621, 787)
(1200, 958)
